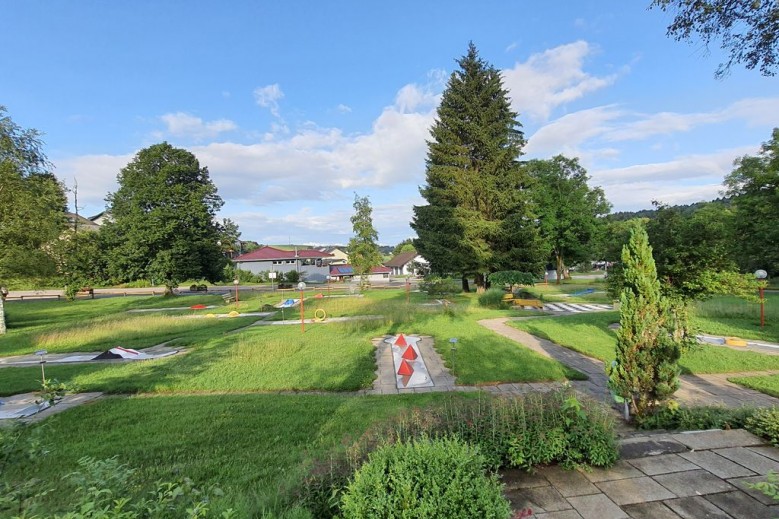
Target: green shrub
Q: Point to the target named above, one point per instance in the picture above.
(443, 478)
(492, 298)
(765, 423)
(435, 286)
(672, 417)
(503, 428)
(500, 426)
(566, 435)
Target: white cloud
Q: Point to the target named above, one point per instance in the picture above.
(552, 78)
(567, 133)
(713, 166)
(344, 109)
(640, 195)
(185, 125)
(268, 97)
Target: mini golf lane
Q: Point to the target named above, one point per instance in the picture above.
(410, 368)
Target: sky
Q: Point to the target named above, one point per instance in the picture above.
(296, 106)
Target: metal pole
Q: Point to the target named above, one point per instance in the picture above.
(762, 309)
(302, 320)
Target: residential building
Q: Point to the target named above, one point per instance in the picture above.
(313, 265)
(340, 257)
(407, 264)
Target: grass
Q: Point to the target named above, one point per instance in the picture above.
(564, 292)
(272, 358)
(733, 317)
(768, 384)
(328, 357)
(255, 448)
(589, 334)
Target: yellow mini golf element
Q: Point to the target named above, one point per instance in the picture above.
(233, 314)
(735, 341)
(210, 316)
(320, 315)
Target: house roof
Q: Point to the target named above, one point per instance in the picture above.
(402, 259)
(74, 219)
(272, 253)
(348, 270)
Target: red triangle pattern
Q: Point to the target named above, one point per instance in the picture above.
(401, 341)
(410, 353)
(405, 368)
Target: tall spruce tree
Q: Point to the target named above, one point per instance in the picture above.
(478, 216)
(652, 335)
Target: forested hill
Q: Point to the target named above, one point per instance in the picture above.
(650, 213)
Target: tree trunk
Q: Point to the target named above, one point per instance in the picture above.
(466, 288)
(480, 284)
(2, 316)
(560, 267)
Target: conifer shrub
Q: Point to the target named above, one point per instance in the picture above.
(432, 478)
(653, 333)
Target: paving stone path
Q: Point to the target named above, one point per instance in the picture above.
(695, 389)
(695, 475)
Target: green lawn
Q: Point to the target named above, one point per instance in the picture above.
(767, 384)
(329, 356)
(254, 447)
(589, 334)
(733, 317)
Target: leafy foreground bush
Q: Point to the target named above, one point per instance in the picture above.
(673, 417)
(102, 489)
(492, 298)
(443, 478)
(522, 431)
(765, 423)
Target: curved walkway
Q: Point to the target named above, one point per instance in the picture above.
(695, 389)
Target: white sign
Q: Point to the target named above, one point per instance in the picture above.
(271, 275)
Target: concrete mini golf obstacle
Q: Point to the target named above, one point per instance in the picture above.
(410, 368)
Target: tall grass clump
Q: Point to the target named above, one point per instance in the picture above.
(492, 298)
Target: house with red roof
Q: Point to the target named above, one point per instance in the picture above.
(313, 265)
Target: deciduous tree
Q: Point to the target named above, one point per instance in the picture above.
(747, 29)
(363, 250)
(478, 217)
(692, 251)
(569, 211)
(164, 226)
(32, 205)
(754, 186)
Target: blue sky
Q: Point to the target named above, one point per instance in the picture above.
(295, 106)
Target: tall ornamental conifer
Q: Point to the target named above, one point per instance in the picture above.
(653, 332)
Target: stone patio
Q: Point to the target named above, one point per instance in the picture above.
(695, 475)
